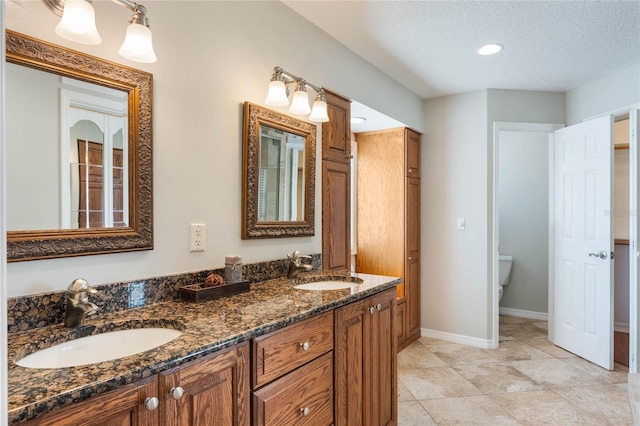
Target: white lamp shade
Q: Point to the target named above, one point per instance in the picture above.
(138, 45)
(277, 94)
(319, 112)
(78, 23)
(300, 103)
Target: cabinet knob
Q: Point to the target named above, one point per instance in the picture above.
(151, 403)
(410, 169)
(176, 392)
(305, 411)
(372, 310)
(379, 306)
(410, 258)
(305, 346)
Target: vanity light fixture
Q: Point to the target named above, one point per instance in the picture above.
(78, 23)
(278, 95)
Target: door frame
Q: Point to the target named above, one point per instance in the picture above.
(500, 126)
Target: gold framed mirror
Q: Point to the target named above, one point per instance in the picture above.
(83, 185)
(278, 173)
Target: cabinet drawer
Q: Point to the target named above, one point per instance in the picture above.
(303, 397)
(282, 351)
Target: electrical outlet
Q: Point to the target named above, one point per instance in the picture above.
(196, 237)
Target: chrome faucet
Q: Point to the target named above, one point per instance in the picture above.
(78, 305)
(295, 264)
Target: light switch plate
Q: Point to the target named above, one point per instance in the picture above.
(460, 225)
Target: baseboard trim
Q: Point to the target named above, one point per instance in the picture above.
(457, 338)
(621, 327)
(542, 316)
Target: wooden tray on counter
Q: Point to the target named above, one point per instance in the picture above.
(200, 293)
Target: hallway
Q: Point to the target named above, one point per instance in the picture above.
(526, 381)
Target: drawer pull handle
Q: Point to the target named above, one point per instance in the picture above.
(379, 306)
(372, 310)
(305, 411)
(177, 392)
(151, 403)
(305, 346)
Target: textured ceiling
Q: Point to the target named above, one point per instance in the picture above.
(430, 46)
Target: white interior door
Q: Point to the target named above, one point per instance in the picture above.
(583, 240)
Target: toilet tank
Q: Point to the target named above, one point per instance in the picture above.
(504, 268)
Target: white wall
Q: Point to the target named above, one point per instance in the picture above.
(607, 94)
(457, 159)
(454, 184)
(212, 56)
(33, 168)
(523, 194)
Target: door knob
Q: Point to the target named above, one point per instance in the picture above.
(602, 255)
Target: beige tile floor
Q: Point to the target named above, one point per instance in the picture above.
(526, 381)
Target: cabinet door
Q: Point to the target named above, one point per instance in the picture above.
(412, 215)
(412, 262)
(351, 379)
(302, 397)
(215, 390)
(383, 359)
(401, 321)
(412, 153)
(412, 280)
(124, 406)
(336, 192)
(336, 134)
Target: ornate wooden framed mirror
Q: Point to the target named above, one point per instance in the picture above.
(279, 168)
(79, 151)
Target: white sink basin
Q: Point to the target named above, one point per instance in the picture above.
(326, 285)
(99, 348)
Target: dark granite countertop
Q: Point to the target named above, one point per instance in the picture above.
(207, 327)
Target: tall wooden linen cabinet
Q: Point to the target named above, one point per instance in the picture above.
(388, 224)
(336, 186)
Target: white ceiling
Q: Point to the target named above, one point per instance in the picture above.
(430, 46)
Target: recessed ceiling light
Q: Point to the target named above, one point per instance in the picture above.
(358, 120)
(490, 49)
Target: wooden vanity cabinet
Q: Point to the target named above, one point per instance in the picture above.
(292, 376)
(214, 390)
(124, 406)
(365, 362)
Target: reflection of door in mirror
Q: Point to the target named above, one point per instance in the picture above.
(67, 141)
(280, 175)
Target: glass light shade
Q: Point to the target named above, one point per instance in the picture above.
(319, 112)
(138, 45)
(277, 94)
(78, 23)
(300, 103)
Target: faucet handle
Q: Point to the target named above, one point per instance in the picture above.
(294, 255)
(80, 285)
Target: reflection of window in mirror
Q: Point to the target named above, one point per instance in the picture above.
(280, 175)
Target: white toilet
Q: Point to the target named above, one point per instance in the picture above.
(504, 269)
